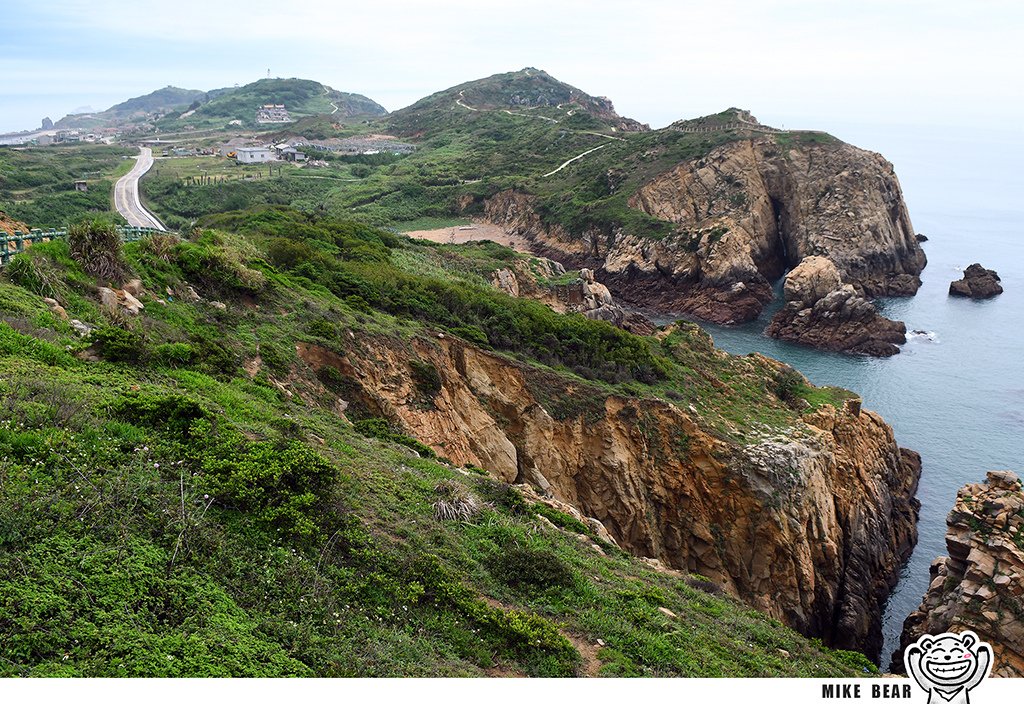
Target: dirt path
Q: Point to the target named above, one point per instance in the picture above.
(472, 233)
(575, 158)
(336, 108)
(459, 102)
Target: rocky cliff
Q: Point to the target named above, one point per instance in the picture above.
(980, 585)
(745, 212)
(823, 312)
(808, 524)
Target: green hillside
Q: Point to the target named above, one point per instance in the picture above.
(170, 507)
(137, 109)
(529, 92)
(163, 99)
(37, 185)
(300, 97)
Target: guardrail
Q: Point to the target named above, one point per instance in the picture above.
(10, 245)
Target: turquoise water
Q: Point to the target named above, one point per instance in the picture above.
(956, 395)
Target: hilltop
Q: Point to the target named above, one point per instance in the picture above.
(300, 97)
(527, 92)
(134, 109)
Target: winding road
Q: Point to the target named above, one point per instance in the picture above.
(126, 194)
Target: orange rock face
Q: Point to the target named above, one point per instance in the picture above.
(809, 525)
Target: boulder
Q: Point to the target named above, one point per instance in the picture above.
(978, 282)
(134, 287)
(115, 301)
(823, 312)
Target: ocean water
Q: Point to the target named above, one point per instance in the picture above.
(956, 395)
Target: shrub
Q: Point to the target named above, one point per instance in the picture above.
(289, 254)
(173, 413)
(531, 569)
(174, 354)
(118, 344)
(381, 429)
(454, 502)
(502, 496)
(219, 269)
(96, 246)
(160, 246)
(427, 380)
(38, 275)
(323, 328)
(284, 487)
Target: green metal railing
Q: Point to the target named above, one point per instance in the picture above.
(10, 245)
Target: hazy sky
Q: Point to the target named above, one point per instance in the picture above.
(803, 63)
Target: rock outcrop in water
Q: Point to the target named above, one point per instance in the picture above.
(980, 585)
(809, 524)
(823, 312)
(744, 213)
(978, 282)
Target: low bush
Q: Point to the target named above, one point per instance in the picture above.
(381, 429)
(284, 487)
(120, 344)
(531, 569)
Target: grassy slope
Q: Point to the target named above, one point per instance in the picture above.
(170, 515)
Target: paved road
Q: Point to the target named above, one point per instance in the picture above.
(126, 194)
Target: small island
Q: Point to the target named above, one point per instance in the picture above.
(978, 282)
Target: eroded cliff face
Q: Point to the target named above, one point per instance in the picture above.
(745, 213)
(980, 585)
(809, 524)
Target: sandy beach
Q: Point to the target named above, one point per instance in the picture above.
(475, 232)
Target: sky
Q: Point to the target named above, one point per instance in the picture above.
(794, 63)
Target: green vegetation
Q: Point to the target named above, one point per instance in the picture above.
(172, 510)
(37, 184)
(300, 97)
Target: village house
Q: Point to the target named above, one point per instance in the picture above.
(254, 155)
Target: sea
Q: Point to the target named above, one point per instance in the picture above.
(955, 393)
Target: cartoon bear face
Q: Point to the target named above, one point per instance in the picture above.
(950, 660)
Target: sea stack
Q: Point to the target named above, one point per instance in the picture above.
(980, 585)
(823, 312)
(978, 282)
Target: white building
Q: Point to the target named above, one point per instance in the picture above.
(253, 155)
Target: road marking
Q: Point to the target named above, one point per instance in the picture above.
(126, 193)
